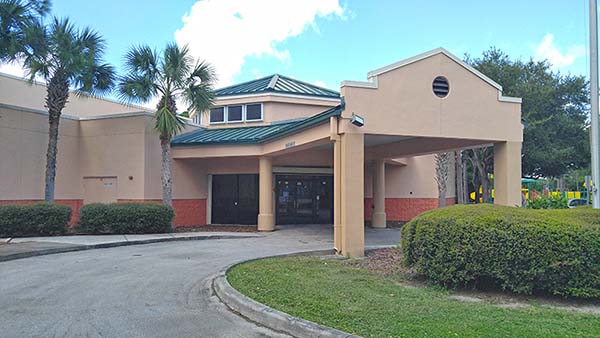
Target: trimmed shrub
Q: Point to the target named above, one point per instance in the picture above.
(41, 219)
(521, 250)
(125, 218)
(554, 202)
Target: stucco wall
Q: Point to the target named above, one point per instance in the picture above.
(23, 145)
(402, 102)
(20, 93)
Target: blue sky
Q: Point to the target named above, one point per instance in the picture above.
(327, 41)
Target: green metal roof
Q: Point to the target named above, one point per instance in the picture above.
(251, 135)
(277, 84)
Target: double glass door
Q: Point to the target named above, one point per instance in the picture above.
(304, 199)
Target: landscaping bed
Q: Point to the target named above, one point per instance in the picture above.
(379, 297)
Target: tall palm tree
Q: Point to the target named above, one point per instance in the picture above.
(15, 17)
(64, 57)
(172, 75)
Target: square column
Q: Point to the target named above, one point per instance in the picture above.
(378, 220)
(337, 195)
(349, 177)
(507, 173)
(266, 217)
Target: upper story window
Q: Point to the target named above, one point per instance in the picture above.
(236, 113)
(217, 115)
(254, 112)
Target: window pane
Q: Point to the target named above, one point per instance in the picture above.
(234, 113)
(254, 112)
(217, 114)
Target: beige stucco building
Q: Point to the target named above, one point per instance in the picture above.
(275, 150)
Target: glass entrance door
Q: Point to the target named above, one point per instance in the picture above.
(304, 199)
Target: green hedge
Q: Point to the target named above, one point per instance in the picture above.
(521, 250)
(40, 219)
(125, 218)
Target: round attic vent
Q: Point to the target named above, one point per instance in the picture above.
(441, 86)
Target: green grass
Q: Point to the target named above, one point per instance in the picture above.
(354, 300)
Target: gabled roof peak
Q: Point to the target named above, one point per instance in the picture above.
(277, 83)
(430, 53)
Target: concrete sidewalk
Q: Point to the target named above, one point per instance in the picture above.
(16, 248)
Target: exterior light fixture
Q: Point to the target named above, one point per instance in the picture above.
(357, 120)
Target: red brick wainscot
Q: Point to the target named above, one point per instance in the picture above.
(74, 204)
(404, 209)
(188, 212)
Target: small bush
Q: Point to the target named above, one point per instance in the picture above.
(521, 250)
(125, 218)
(42, 219)
(554, 202)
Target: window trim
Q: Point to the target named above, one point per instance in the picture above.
(262, 112)
(244, 114)
(210, 121)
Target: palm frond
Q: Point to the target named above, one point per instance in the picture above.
(177, 63)
(198, 94)
(167, 123)
(99, 79)
(15, 17)
(136, 88)
(141, 60)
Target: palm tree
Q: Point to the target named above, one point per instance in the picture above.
(64, 57)
(172, 76)
(15, 17)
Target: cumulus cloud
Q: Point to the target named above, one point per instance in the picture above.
(320, 84)
(12, 69)
(225, 32)
(547, 50)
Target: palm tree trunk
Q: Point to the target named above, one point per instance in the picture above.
(167, 190)
(56, 99)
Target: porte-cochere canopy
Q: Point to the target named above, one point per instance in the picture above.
(427, 104)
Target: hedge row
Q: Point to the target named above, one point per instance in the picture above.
(125, 218)
(521, 250)
(40, 219)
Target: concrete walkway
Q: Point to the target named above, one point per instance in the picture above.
(152, 290)
(24, 247)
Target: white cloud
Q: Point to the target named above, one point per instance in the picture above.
(320, 84)
(225, 32)
(547, 50)
(12, 69)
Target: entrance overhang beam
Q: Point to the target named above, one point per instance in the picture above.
(421, 146)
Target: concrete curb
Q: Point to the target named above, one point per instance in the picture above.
(75, 247)
(267, 316)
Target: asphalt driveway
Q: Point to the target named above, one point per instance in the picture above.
(153, 290)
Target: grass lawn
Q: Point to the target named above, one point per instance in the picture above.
(356, 300)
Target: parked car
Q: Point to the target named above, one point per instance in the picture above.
(577, 202)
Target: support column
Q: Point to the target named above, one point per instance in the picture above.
(507, 173)
(266, 217)
(352, 195)
(337, 195)
(378, 220)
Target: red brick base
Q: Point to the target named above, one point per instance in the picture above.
(404, 209)
(74, 204)
(188, 212)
